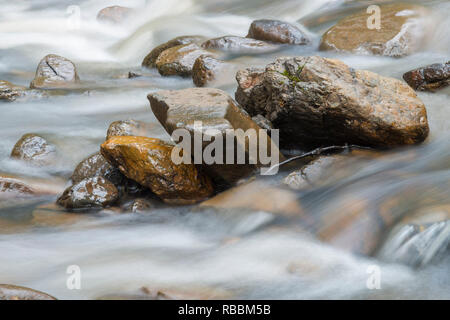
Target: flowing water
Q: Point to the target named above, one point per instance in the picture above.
(210, 253)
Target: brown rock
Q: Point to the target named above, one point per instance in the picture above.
(11, 187)
(207, 69)
(114, 14)
(179, 60)
(216, 110)
(55, 72)
(402, 32)
(239, 45)
(90, 193)
(133, 128)
(150, 60)
(148, 161)
(276, 31)
(138, 205)
(316, 101)
(429, 78)
(97, 166)
(10, 92)
(11, 292)
(34, 149)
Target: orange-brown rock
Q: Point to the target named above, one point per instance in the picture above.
(148, 161)
(402, 31)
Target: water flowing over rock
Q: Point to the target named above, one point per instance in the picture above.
(12, 187)
(11, 292)
(148, 161)
(242, 45)
(138, 205)
(276, 31)
(316, 101)
(10, 92)
(150, 59)
(55, 72)
(429, 78)
(179, 60)
(90, 193)
(34, 149)
(215, 110)
(114, 14)
(207, 69)
(402, 32)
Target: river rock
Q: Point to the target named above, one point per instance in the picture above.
(179, 60)
(55, 72)
(216, 110)
(90, 193)
(10, 92)
(138, 205)
(11, 292)
(276, 31)
(129, 128)
(429, 78)
(150, 60)
(316, 101)
(114, 14)
(34, 149)
(97, 166)
(263, 122)
(242, 45)
(206, 69)
(402, 31)
(11, 187)
(148, 161)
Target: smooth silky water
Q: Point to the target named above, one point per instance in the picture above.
(189, 252)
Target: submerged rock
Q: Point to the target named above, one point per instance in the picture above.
(236, 44)
(217, 112)
(316, 101)
(114, 14)
(429, 78)
(276, 31)
(179, 60)
(10, 92)
(150, 60)
(148, 161)
(11, 292)
(55, 72)
(207, 69)
(138, 205)
(90, 193)
(11, 187)
(402, 31)
(34, 149)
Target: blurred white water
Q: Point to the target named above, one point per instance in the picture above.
(212, 254)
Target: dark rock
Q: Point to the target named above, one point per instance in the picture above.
(263, 122)
(138, 205)
(114, 14)
(402, 31)
(276, 31)
(242, 45)
(55, 72)
(316, 101)
(90, 193)
(206, 69)
(179, 60)
(429, 78)
(34, 149)
(132, 75)
(150, 60)
(11, 292)
(148, 161)
(97, 166)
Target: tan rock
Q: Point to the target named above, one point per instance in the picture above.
(240, 45)
(11, 292)
(55, 72)
(34, 149)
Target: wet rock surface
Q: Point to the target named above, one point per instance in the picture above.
(12, 292)
(53, 72)
(10, 92)
(131, 128)
(34, 149)
(276, 31)
(148, 161)
(90, 193)
(97, 166)
(236, 44)
(402, 31)
(11, 187)
(316, 101)
(217, 111)
(179, 60)
(114, 14)
(429, 78)
(138, 205)
(206, 69)
(150, 60)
